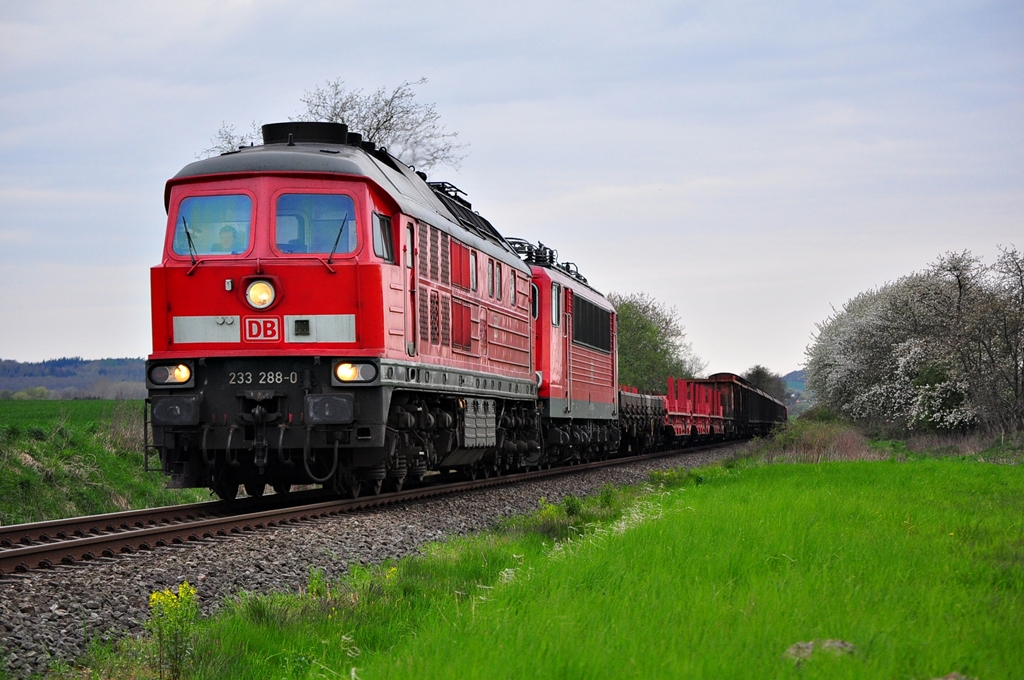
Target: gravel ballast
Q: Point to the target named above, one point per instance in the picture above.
(51, 614)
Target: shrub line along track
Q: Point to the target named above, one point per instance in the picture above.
(81, 539)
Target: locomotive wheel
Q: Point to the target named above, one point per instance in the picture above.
(374, 486)
(282, 488)
(396, 484)
(355, 488)
(255, 489)
(225, 488)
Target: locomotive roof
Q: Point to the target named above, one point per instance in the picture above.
(546, 258)
(438, 204)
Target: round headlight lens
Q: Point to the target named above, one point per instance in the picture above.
(346, 372)
(260, 294)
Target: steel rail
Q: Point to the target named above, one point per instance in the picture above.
(60, 529)
(142, 534)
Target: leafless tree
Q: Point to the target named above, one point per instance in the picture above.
(410, 130)
(226, 140)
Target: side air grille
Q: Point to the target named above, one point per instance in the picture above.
(435, 319)
(424, 318)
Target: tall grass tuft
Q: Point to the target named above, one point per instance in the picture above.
(812, 441)
(124, 431)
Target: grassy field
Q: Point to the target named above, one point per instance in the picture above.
(46, 413)
(916, 566)
(68, 458)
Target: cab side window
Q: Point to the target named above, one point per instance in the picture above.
(411, 247)
(556, 304)
(382, 243)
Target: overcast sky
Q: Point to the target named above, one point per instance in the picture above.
(752, 164)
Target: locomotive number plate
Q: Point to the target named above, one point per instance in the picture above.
(262, 377)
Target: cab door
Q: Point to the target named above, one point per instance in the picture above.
(409, 283)
(387, 247)
(556, 347)
(567, 336)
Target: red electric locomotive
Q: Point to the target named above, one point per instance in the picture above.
(577, 359)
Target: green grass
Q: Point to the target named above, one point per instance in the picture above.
(42, 413)
(706, 574)
(69, 458)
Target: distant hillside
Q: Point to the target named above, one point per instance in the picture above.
(799, 399)
(795, 380)
(73, 378)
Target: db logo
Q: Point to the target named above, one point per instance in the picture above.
(262, 328)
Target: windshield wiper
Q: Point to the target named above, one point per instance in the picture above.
(191, 246)
(336, 239)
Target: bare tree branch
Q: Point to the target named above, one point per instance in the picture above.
(409, 130)
(226, 140)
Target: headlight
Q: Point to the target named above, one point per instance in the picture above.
(260, 294)
(170, 375)
(346, 372)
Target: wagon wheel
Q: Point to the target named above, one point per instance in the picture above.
(282, 488)
(471, 472)
(255, 489)
(225, 487)
(373, 486)
(396, 484)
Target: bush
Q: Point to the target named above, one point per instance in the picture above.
(819, 414)
(812, 441)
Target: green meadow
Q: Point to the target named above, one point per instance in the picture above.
(916, 567)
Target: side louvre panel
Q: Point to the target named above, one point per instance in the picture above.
(434, 257)
(445, 248)
(435, 318)
(423, 315)
(446, 324)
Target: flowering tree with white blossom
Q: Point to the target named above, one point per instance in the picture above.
(941, 349)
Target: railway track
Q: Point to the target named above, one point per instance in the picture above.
(77, 540)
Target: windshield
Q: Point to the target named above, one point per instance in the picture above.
(216, 225)
(315, 223)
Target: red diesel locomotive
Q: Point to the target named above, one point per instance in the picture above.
(324, 315)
